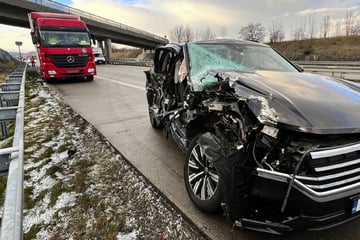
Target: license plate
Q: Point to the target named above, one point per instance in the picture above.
(356, 206)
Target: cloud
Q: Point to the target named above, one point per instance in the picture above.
(16, 34)
(160, 16)
(326, 10)
(278, 2)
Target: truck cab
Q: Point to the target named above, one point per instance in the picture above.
(63, 45)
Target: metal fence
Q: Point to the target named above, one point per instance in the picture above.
(12, 102)
(342, 69)
(130, 61)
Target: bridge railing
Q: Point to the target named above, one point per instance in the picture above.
(74, 11)
(12, 158)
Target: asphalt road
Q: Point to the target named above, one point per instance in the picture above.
(115, 104)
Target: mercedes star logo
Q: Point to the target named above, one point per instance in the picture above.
(70, 59)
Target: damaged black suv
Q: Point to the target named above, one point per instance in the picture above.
(275, 148)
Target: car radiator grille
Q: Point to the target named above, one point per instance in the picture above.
(66, 61)
(333, 168)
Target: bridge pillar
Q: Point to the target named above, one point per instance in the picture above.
(108, 50)
(100, 44)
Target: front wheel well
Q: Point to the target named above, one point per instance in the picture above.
(200, 125)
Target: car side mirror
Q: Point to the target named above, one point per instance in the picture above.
(93, 38)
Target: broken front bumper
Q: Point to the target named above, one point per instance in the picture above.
(327, 197)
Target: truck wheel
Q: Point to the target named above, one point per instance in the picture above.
(90, 78)
(202, 181)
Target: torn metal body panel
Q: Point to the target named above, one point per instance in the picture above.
(275, 148)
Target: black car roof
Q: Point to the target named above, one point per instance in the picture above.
(230, 41)
(178, 46)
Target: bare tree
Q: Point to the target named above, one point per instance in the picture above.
(312, 26)
(253, 32)
(208, 34)
(299, 33)
(188, 34)
(177, 33)
(338, 28)
(325, 27)
(350, 24)
(357, 28)
(182, 34)
(223, 31)
(303, 30)
(276, 32)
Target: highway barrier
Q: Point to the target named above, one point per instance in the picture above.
(342, 69)
(12, 101)
(131, 61)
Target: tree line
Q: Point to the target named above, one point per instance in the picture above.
(307, 29)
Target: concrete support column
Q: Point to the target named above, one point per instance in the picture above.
(100, 44)
(108, 50)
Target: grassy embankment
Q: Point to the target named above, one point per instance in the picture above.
(329, 49)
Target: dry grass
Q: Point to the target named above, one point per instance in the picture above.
(330, 49)
(126, 53)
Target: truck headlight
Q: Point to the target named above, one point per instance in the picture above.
(91, 70)
(52, 72)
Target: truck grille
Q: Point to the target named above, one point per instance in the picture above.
(333, 168)
(68, 61)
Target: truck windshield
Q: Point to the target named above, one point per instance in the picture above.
(64, 38)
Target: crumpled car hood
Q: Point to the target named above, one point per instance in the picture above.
(302, 102)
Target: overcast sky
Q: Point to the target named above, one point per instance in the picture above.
(160, 16)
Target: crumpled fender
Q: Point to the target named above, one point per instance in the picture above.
(234, 172)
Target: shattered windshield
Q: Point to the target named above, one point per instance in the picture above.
(64, 38)
(238, 57)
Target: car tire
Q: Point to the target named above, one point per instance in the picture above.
(202, 181)
(153, 121)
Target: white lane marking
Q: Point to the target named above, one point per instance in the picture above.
(122, 83)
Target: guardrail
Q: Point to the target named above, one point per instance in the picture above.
(347, 70)
(12, 158)
(130, 61)
(71, 10)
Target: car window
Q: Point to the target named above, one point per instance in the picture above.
(238, 57)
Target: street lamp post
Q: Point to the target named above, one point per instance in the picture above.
(18, 43)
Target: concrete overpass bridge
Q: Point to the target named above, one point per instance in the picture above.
(106, 31)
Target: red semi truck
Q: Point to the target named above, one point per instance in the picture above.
(63, 44)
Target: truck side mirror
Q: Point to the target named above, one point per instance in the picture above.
(93, 38)
(33, 37)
